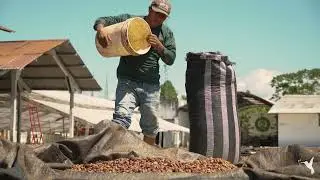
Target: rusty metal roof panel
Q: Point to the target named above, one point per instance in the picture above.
(35, 47)
(6, 47)
(16, 61)
(28, 47)
(18, 54)
(297, 104)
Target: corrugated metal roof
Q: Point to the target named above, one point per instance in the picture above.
(297, 104)
(16, 61)
(246, 99)
(80, 99)
(93, 109)
(11, 50)
(40, 71)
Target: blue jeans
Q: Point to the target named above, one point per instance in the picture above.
(131, 94)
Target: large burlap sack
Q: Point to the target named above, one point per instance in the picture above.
(212, 103)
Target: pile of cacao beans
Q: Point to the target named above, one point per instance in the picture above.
(157, 165)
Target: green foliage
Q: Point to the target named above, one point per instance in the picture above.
(168, 92)
(304, 82)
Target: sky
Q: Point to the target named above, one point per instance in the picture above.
(264, 38)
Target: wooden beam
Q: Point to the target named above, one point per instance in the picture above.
(23, 85)
(19, 112)
(63, 129)
(6, 29)
(71, 106)
(87, 129)
(65, 70)
(3, 72)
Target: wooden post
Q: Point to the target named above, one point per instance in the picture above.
(72, 86)
(63, 130)
(14, 105)
(72, 81)
(71, 116)
(19, 109)
(87, 130)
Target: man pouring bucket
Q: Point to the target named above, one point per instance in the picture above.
(138, 76)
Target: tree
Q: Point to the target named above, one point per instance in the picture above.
(304, 82)
(168, 92)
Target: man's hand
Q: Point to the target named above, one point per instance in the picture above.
(156, 44)
(103, 38)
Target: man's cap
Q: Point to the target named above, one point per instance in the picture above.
(161, 6)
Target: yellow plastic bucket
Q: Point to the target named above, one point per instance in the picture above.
(127, 38)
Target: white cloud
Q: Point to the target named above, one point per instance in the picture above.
(258, 82)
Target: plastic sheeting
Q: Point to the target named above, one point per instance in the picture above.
(282, 163)
(52, 161)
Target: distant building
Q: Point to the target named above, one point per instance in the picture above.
(298, 119)
(257, 126)
(168, 112)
